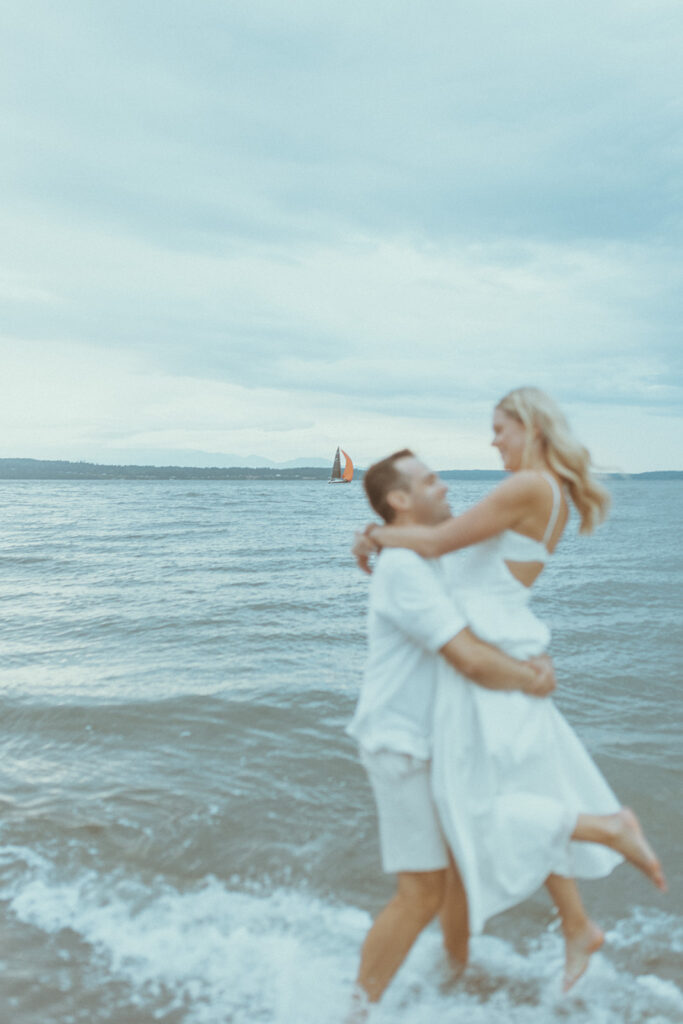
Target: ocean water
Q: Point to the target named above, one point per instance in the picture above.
(185, 832)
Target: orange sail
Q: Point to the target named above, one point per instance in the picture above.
(348, 468)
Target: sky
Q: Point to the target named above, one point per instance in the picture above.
(265, 228)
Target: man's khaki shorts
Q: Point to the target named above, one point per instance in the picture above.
(409, 831)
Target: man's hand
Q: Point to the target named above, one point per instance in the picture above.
(363, 548)
(544, 682)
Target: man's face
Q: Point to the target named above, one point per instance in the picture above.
(426, 492)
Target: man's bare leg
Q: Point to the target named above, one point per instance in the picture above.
(582, 937)
(418, 898)
(622, 832)
(454, 919)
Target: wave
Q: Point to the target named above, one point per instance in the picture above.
(213, 952)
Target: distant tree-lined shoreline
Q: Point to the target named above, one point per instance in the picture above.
(53, 469)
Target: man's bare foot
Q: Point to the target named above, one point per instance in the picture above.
(579, 947)
(457, 967)
(360, 1007)
(632, 844)
(457, 952)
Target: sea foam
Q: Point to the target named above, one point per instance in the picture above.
(217, 954)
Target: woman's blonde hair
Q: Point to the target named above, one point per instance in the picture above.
(545, 423)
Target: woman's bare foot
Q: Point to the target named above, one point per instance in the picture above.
(579, 947)
(629, 841)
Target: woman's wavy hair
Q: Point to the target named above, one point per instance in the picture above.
(545, 422)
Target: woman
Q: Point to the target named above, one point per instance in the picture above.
(513, 783)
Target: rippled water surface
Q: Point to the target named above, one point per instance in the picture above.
(185, 834)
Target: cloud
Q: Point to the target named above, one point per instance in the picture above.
(259, 220)
(365, 319)
(250, 120)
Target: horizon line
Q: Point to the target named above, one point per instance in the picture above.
(289, 471)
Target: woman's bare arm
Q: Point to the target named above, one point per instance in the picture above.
(503, 509)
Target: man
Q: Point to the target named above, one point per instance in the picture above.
(411, 621)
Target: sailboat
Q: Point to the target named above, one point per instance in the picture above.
(337, 477)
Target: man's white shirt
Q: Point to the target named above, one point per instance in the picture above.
(410, 618)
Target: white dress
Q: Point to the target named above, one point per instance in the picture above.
(510, 776)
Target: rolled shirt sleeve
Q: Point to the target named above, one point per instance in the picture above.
(412, 597)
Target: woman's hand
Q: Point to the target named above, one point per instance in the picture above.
(364, 547)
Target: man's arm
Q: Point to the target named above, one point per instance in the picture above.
(489, 667)
(410, 596)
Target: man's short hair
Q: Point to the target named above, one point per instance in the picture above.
(383, 477)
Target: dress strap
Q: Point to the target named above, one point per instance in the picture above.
(555, 511)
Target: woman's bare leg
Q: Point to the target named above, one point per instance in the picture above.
(582, 937)
(622, 832)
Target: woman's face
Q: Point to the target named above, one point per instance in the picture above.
(509, 437)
